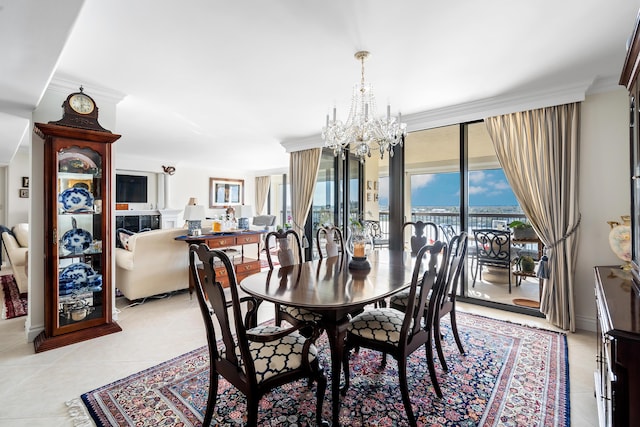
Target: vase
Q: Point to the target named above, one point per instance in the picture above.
(620, 240)
(359, 246)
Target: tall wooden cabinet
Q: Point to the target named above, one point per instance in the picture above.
(617, 375)
(78, 212)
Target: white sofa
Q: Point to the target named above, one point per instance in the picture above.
(16, 244)
(154, 263)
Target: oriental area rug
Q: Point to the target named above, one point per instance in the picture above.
(512, 375)
(15, 303)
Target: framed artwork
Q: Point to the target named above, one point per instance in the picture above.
(375, 185)
(225, 192)
(368, 196)
(368, 185)
(24, 193)
(25, 182)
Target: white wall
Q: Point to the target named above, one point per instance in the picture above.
(604, 190)
(17, 208)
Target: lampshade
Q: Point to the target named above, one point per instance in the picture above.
(194, 212)
(246, 211)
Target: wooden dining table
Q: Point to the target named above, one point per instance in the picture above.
(330, 288)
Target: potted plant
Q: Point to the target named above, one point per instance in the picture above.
(526, 264)
(522, 230)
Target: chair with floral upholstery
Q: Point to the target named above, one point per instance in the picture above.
(254, 360)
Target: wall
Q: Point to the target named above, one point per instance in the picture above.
(604, 190)
(17, 208)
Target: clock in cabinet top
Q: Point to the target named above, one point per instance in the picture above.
(78, 288)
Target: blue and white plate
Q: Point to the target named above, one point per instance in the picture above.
(76, 199)
(78, 274)
(76, 240)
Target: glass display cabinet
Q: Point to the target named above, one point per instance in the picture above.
(78, 294)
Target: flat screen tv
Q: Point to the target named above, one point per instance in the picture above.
(131, 189)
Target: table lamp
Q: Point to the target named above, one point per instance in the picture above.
(246, 212)
(194, 214)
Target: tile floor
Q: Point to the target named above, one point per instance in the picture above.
(35, 387)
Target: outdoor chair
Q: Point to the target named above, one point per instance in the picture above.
(448, 231)
(393, 332)
(245, 358)
(419, 238)
(379, 237)
(334, 243)
(288, 256)
(493, 249)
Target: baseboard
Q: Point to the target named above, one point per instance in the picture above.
(586, 323)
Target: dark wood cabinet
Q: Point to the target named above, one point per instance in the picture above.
(78, 211)
(617, 375)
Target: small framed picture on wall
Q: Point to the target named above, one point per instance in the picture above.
(25, 182)
(24, 193)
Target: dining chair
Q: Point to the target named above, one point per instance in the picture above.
(288, 256)
(419, 238)
(445, 300)
(391, 331)
(334, 243)
(246, 358)
(493, 249)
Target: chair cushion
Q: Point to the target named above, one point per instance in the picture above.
(301, 314)
(401, 299)
(275, 357)
(380, 324)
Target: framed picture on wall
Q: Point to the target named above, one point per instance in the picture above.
(225, 192)
(24, 193)
(25, 182)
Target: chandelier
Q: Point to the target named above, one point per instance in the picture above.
(363, 130)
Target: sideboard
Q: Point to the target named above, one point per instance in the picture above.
(228, 241)
(617, 375)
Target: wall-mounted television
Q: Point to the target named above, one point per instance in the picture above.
(131, 189)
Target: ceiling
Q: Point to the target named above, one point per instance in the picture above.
(220, 84)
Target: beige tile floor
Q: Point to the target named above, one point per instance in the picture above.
(35, 387)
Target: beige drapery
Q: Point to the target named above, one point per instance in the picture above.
(539, 152)
(303, 168)
(262, 191)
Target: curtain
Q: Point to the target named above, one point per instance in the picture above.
(539, 152)
(262, 191)
(303, 168)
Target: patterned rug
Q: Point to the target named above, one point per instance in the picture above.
(512, 375)
(15, 303)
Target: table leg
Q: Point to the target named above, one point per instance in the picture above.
(336, 333)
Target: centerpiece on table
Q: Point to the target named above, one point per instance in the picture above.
(359, 246)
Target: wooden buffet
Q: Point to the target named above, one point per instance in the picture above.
(617, 376)
(244, 266)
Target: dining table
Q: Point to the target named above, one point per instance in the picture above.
(330, 288)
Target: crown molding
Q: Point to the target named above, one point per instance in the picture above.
(477, 110)
(67, 84)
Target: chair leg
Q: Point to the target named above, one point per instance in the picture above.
(475, 273)
(211, 399)
(278, 316)
(321, 379)
(404, 389)
(438, 339)
(454, 329)
(509, 272)
(432, 370)
(345, 371)
(252, 411)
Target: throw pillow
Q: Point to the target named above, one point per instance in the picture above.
(21, 231)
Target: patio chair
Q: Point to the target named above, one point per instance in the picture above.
(493, 249)
(245, 358)
(400, 334)
(379, 237)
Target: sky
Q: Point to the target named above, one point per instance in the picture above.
(487, 187)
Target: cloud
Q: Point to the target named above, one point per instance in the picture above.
(476, 177)
(418, 181)
(476, 189)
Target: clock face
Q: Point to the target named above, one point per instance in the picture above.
(81, 104)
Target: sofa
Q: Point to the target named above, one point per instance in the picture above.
(16, 245)
(152, 263)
